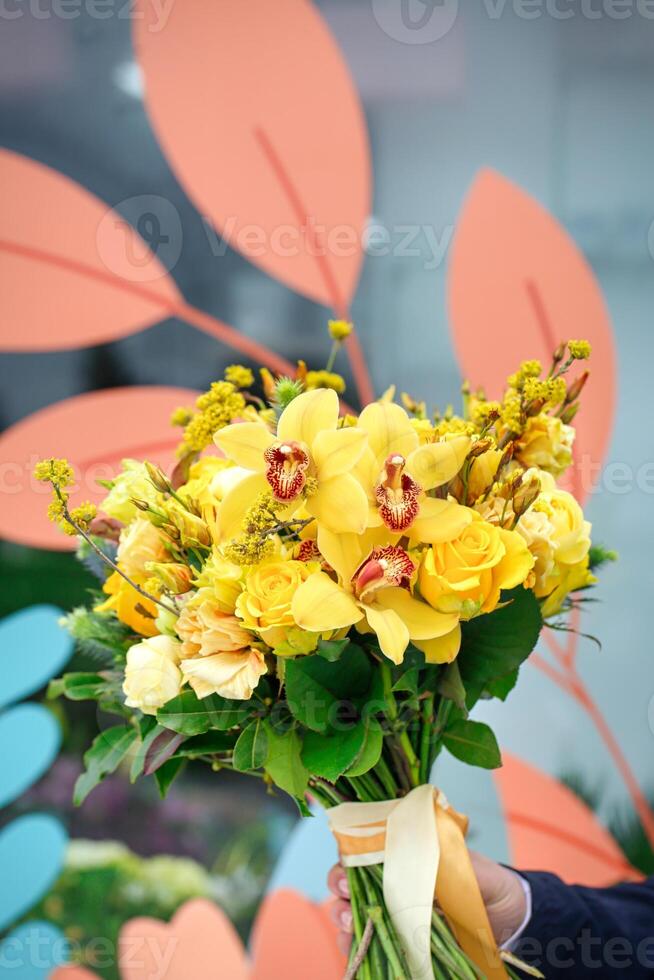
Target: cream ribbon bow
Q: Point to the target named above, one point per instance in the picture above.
(420, 841)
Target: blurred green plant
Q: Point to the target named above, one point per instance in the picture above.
(104, 885)
(622, 822)
(29, 575)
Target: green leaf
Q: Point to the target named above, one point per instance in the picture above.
(330, 755)
(501, 687)
(474, 743)
(108, 750)
(284, 764)
(251, 749)
(189, 715)
(495, 644)
(167, 773)
(371, 751)
(450, 686)
(315, 686)
(408, 681)
(211, 743)
(599, 555)
(332, 649)
(79, 687)
(149, 731)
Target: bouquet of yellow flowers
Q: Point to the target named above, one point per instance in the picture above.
(321, 605)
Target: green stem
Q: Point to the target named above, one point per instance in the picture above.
(358, 904)
(425, 738)
(376, 913)
(411, 757)
(332, 355)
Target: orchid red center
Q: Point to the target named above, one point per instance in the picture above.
(384, 567)
(286, 467)
(397, 495)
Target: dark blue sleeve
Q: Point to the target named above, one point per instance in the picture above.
(582, 933)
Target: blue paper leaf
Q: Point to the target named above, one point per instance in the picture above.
(34, 649)
(32, 951)
(31, 855)
(29, 741)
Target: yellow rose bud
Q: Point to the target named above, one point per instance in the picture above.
(171, 575)
(140, 544)
(152, 674)
(467, 574)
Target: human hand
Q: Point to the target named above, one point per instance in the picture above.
(501, 890)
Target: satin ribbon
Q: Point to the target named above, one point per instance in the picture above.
(420, 840)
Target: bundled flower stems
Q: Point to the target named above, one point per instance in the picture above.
(318, 600)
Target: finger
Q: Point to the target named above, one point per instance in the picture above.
(340, 912)
(337, 882)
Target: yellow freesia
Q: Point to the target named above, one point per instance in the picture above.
(309, 462)
(397, 470)
(372, 591)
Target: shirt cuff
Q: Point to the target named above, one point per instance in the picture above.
(512, 942)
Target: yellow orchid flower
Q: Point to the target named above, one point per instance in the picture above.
(372, 591)
(397, 470)
(308, 462)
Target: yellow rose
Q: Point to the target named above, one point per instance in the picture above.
(140, 542)
(231, 675)
(467, 574)
(132, 482)
(152, 674)
(205, 629)
(265, 603)
(546, 443)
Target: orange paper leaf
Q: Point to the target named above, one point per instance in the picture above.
(550, 829)
(199, 943)
(517, 286)
(94, 431)
(73, 272)
(257, 114)
(290, 933)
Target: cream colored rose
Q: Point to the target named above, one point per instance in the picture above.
(546, 443)
(152, 674)
(205, 629)
(140, 542)
(265, 603)
(231, 675)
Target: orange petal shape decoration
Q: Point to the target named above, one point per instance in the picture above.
(94, 431)
(258, 116)
(518, 285)
(199, 943)
(72, 973)
(291, 933)
(74, 273)
(550, 829)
